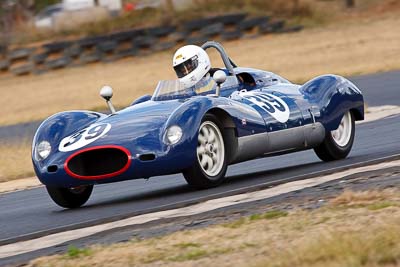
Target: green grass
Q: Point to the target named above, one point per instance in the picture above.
(273, 214)
(187, 245)
(74, 252)
(192, 254)
(380, 205)
(235, 224)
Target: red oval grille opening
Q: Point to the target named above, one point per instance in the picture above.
(98, 162)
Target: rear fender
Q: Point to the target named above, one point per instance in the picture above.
(333, 96)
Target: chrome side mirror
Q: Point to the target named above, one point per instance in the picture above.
(106, 92)
(219, 77)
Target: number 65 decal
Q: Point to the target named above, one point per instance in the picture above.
(274, 105)
(84, 137)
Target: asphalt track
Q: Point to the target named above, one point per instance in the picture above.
(31, 213)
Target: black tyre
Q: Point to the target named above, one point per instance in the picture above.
(338, 143)
(211, 161)
(231, 35)
(212, 30)
(70, 198)
(57, 63)
(23, 70)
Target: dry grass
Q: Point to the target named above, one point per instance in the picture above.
(350, 198)
(357, 236)
(15, 160)
(346, 48)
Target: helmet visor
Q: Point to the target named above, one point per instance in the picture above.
(186, 67)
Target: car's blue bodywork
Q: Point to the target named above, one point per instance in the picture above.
(251, 130)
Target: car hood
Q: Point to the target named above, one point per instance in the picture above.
(140, 127)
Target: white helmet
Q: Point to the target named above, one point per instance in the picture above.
(191, 63)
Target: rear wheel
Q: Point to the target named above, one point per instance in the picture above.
(338, 143)
(70, 198)
(210, 166)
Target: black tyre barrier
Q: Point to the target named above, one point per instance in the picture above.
(291, 29)
(57, 63)
(231, 19)
(178, 37)
(39, 58)
(20, 53)
(90, 57)
(39, 70)
(163, 46)
(197, 40)
(4, 65)
(73, 51)
(272, 27)
(56, 47)
(22, 70)
(231, 35)
(91, 41)
(142, 41)
(107, 46)
(251, 23)
(212, 30)
(198, 24)
(128, 52)
(126, 35)
(160, 31)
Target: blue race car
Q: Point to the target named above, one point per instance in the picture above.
(232, 115)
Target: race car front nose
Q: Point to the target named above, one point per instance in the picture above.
(98, 162)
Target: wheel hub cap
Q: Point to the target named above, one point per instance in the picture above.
(342, 134)
(210, 149)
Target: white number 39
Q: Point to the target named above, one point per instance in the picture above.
(84, 137)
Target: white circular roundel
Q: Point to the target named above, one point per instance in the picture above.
(272, 104)
(84, 137)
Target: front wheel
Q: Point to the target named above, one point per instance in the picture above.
(70, 198)
(210, 166)
(338, 143)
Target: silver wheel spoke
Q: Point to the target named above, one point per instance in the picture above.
(210, 162)
(204, 161)
(211, 137)
(342, 134)
(205, 133)
(200, 150)
(210, 150)
(202, 139)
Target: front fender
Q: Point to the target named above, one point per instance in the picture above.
(58, 126)
(333, 95)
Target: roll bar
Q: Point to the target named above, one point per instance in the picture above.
(227, 61)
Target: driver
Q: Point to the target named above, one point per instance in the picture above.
(191, 64)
